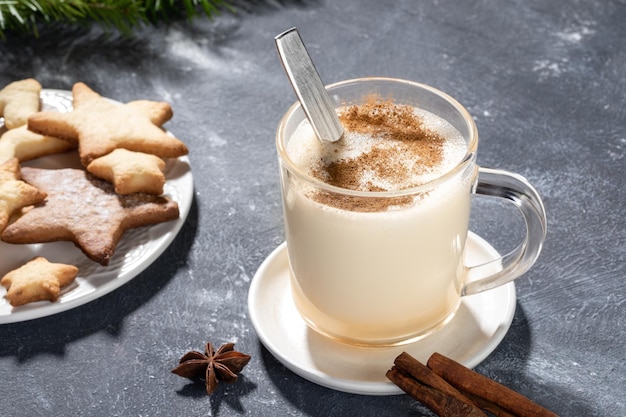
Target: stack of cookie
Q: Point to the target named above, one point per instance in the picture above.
(121, 147)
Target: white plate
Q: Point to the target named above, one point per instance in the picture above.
(137, 249)
(473, 333)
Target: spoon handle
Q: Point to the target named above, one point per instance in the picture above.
(308, 86)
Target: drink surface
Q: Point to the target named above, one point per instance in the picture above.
(386, 147)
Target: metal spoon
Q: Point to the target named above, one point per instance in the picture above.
(308, 86)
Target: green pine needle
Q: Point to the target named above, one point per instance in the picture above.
(24, 16)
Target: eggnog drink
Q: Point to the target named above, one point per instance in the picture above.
(375, 240)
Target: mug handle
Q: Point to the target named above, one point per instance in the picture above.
(517, 190)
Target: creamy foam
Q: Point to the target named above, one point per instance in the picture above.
(374, 161)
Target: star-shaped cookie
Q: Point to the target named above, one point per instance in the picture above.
(130, 172)
(37, 280)
(18, 100)
(85, 210)
(99, 126)
(15, 193)
(25, 145)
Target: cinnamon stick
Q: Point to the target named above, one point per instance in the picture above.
(479, 386)
(439, 403)
(423, 374)
(425, 386)
(491, 408)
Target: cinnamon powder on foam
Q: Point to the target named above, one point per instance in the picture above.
(407, 149)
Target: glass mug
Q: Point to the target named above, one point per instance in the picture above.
(390, 277)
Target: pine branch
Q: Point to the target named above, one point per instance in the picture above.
(24, 16)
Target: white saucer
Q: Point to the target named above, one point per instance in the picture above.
(474, 332)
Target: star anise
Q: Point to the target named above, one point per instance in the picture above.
(223, 365)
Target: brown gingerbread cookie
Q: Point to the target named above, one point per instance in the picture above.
(99, 126)
(85, 210)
